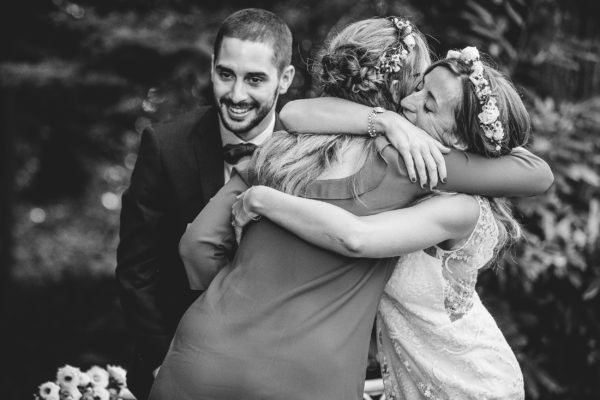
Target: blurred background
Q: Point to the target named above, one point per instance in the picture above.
(80, 79)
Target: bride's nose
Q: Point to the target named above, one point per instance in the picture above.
(409, 104)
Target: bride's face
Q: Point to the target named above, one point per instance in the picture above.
(431, 106)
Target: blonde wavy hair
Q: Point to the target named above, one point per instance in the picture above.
(344, 68)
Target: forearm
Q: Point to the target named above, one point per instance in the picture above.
(209, 242)
(324, 115)
(317, 222)
(383, 235)
(519, 174)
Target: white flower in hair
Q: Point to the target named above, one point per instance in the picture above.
(485, 91)
(470, 53)
(478, 80)
(68, 377)
(489, 115)
(98, 376)
(453, 54)
(410, 41)
(49, 391)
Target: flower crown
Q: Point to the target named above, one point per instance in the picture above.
(488, 117)
(392, 59)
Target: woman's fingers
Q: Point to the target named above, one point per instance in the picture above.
(421, 168)
(432, 170)
(440, 162)
(441, 147)
(410, 165)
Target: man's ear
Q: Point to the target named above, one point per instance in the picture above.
(287, 76)
(212, 65)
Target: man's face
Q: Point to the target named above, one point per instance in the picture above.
(246, 84)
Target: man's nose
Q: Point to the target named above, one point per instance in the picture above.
(238, 91)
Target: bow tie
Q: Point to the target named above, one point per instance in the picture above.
(232, 153)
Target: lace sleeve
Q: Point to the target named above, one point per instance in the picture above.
(460, 266)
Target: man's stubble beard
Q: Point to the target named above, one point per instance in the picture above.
(261, 113)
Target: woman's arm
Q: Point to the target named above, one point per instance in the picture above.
(421, 153)
(520, 174)
(209, 241)
(383, 235)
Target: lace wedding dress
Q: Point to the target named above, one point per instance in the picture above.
(436, 339)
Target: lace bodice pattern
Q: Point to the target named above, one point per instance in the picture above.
(436, 340)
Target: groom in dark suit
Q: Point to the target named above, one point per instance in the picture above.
(181, 164)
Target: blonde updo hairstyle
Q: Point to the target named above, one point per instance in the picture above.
(347, 65)
(346, 69)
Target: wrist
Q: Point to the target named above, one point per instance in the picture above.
(254, 199)
(385, 120)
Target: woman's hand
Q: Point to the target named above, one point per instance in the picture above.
(241, 214)
(422, 154)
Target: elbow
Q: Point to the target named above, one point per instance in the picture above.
(289, 113)
(549, 179)
(353, 243)
(545, 180)
(198, 269)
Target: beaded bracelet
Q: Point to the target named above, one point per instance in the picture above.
(371, 120)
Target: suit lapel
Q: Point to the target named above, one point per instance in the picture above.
(209, 154)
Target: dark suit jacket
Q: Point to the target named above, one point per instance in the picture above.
(178, 169)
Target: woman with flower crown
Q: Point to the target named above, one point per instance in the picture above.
(283, 318)
(436, 340)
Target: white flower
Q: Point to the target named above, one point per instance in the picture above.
(477, 68)
(69, 393)
(498, 135)
(484, 91)
(68, 377)
(489, 132)
(469, 53)
(100, 393)
(118, 374)
(409, 41)
(478, 80)
(84, 379)
(49, 391)
(98, 376)
(453, 54)
(488, 116)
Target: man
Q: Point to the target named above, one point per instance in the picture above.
(181, 165)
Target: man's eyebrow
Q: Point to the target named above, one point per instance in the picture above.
(222, 68)
(257, 75)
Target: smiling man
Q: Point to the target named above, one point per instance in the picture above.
(182, 164)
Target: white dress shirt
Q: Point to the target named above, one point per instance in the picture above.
(228, 137)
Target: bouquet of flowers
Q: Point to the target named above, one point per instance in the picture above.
(95, 384)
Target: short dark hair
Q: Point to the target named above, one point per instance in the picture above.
(258, 25)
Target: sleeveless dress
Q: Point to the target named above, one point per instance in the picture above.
(436, 340)
(285, 319)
